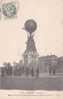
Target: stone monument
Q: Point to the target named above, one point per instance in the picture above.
(30, 55)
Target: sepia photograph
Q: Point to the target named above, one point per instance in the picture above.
(31, 45)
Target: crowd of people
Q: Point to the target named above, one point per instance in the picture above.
(19, 70)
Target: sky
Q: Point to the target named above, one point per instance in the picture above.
(48, 36)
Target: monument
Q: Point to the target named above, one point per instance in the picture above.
(30, 55)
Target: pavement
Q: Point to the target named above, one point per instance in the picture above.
(47, 75)
(44, 82)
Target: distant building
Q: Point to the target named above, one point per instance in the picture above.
(60, 65)
(47, 61)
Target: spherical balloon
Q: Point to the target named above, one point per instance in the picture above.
(30, 26)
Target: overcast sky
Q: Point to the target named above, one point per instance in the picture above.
(48, 36)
